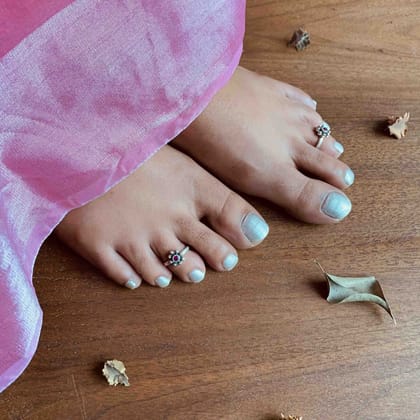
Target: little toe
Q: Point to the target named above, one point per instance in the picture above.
(214, 249)
(188, 267)
(146, 263)
(312, 200)
(325, 167)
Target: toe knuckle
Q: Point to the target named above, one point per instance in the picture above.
(82, 237)
(308, 155)
(225, 205)
(184, 222)
(321, 159)
(160, 242)
(132, 249)
(310, 117)
(100, 256)
(204, 237)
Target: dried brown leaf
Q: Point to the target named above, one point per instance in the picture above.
(114, 372)
(355, 289)
(397, 126)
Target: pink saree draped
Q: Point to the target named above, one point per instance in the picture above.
(89, 90)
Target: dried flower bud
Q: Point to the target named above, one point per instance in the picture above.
(300, 40)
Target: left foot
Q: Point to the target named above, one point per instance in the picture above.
(257, 135)
(129, 231)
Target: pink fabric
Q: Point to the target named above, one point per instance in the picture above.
(86, 98)
(18, 18)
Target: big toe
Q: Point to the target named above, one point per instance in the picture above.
(311, 200)
(231, 216)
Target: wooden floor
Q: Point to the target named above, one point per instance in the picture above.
(262, 339)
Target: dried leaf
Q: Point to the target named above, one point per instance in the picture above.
(114, 372)
(397, 126)
(355, 289)
(300, 40)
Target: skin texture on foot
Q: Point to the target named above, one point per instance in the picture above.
(257, 135)
(129, 231)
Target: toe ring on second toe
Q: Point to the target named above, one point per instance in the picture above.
(322, 131)
(175, 257)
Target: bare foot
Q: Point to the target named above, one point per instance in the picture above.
(129, 231)
(257, 135)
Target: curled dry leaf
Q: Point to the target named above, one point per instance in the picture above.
(355, 289)
(300, 40)
(397, 126)
(114, 372)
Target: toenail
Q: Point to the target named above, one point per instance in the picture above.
(349, 177)
(254, 228)
(163, 281)
(132, 283)
(339, 147)
(230, 261)
(336, 205)
(196, 276)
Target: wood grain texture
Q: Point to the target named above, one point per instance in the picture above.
(263, 339)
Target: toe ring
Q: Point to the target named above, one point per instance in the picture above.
(322, 131)
(176, 258)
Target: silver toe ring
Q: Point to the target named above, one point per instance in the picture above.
(176, 258)
(322, 131)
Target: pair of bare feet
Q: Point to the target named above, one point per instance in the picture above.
(257, 136)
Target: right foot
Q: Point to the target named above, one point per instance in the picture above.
(129, 231)
(257, 136)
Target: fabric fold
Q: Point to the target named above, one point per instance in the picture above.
(85, 99)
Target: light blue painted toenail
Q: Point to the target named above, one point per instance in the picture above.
(254, 228)
(336, 205)
(230, 261)
(163, 281)
(349, 177)
(339, 147)
(133, 283)
(196, 276)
